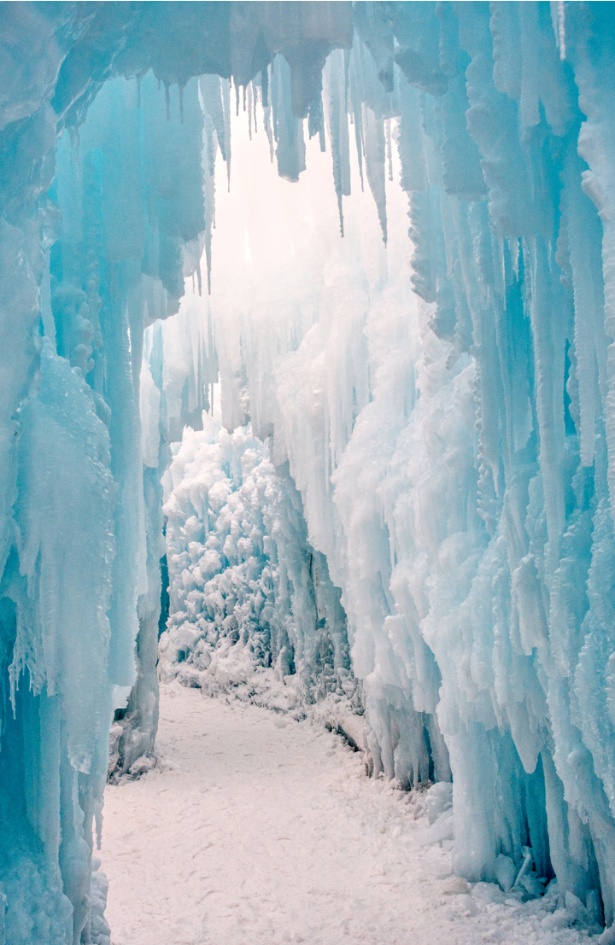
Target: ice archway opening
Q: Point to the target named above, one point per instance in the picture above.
(442, 457)
(307, 328)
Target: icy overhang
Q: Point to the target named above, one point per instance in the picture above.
(60, 53)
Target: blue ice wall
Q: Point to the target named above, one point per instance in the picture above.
(504, 111)
(81, 584)
(131, 203)
(96, 235)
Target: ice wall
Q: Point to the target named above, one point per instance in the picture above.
(506, 544)
(454, 452)
(96, 237)
(81, 583)
(252, 608)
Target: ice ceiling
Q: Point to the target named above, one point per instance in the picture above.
(441, 442)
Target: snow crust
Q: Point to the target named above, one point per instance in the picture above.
(257, 826)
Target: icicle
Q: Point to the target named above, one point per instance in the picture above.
(208, 257)
(549, 343)
(215, 94)
(375, 164)
(338, 130)
(268, 125)
(210, 87)
(347, 57)
(356, 99)
(315, 120)
(226, 104)
(288, 129)
(584, 231)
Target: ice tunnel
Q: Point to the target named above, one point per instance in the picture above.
(395, 500)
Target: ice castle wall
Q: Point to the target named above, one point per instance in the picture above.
(483, 612)
(81, 584)
(507, 557)
(462, 494)
(97, 236)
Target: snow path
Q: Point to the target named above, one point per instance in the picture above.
(259, 830)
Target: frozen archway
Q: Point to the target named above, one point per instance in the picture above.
(492, 494)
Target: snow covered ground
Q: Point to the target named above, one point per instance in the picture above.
(256, 829)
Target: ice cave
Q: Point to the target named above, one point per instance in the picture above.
(307, 353)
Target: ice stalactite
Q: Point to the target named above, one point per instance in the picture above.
(338, 129)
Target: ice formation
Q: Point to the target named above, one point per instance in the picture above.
(444, 447)
(252, 606)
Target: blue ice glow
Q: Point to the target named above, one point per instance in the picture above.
(448, 443)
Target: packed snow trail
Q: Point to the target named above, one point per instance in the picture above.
(256, 829)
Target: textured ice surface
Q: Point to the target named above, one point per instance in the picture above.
(252, 607)
(453, 449)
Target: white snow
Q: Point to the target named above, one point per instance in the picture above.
(256, 829)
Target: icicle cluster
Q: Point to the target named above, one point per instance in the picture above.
(251, 607)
